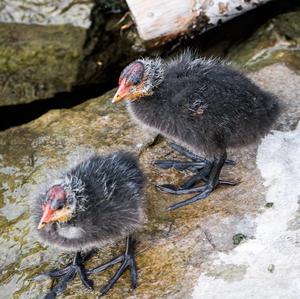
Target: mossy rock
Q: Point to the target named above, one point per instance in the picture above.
(38, 61)
(276, 41)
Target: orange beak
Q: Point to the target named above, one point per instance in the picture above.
(47, 216)
(50, 215)
(121, 94)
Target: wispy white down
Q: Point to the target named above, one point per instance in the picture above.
(154, 73)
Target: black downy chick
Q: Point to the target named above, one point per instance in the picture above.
(204, 105)
(92, 205)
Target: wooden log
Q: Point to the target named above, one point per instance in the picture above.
(159, 21)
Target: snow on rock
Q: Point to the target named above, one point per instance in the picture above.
(272, 257)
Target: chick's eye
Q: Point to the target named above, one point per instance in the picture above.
(135, 79)
(57, 204)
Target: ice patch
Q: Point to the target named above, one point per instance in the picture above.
(273, 257)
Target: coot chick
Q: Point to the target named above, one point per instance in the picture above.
(89, 206)
(204, 105)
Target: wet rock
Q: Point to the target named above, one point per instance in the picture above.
(174, 248)
(47, 47)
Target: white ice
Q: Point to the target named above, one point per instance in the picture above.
(277, 240)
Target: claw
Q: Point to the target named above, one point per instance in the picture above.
(180, 191)
(194, 157)
(66, 275)
(231, 183)
(180, 165)
(63, 282)
(210, 178)
(127, 263)
(88, 283)
(166, 187)
(186, 152)
(205, 192)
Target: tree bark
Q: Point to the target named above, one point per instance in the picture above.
(159, 21)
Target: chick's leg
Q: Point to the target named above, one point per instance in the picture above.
(67, 274)
(199, 166)
(127, 260)
(195, 165)
(203, 191)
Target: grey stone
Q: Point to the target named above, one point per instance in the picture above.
(49, 47)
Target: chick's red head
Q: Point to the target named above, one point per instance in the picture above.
(131, 82)
(55, 208)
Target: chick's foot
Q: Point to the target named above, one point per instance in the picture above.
(127, 260)
(210, 178)
(67, 274)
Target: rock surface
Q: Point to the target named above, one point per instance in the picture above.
(47, 47)
(173, 248)
(38, 61)
(277, 40)
(45, 12)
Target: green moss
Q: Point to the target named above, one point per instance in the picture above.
(238, 238)
(269, 204)
(276, 41)
(38, 61)
(288, 25)
(271, 268)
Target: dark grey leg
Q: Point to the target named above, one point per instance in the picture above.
(203, 191)
(127, 260)
(200, 166)
(193, 156)
(181, 165)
